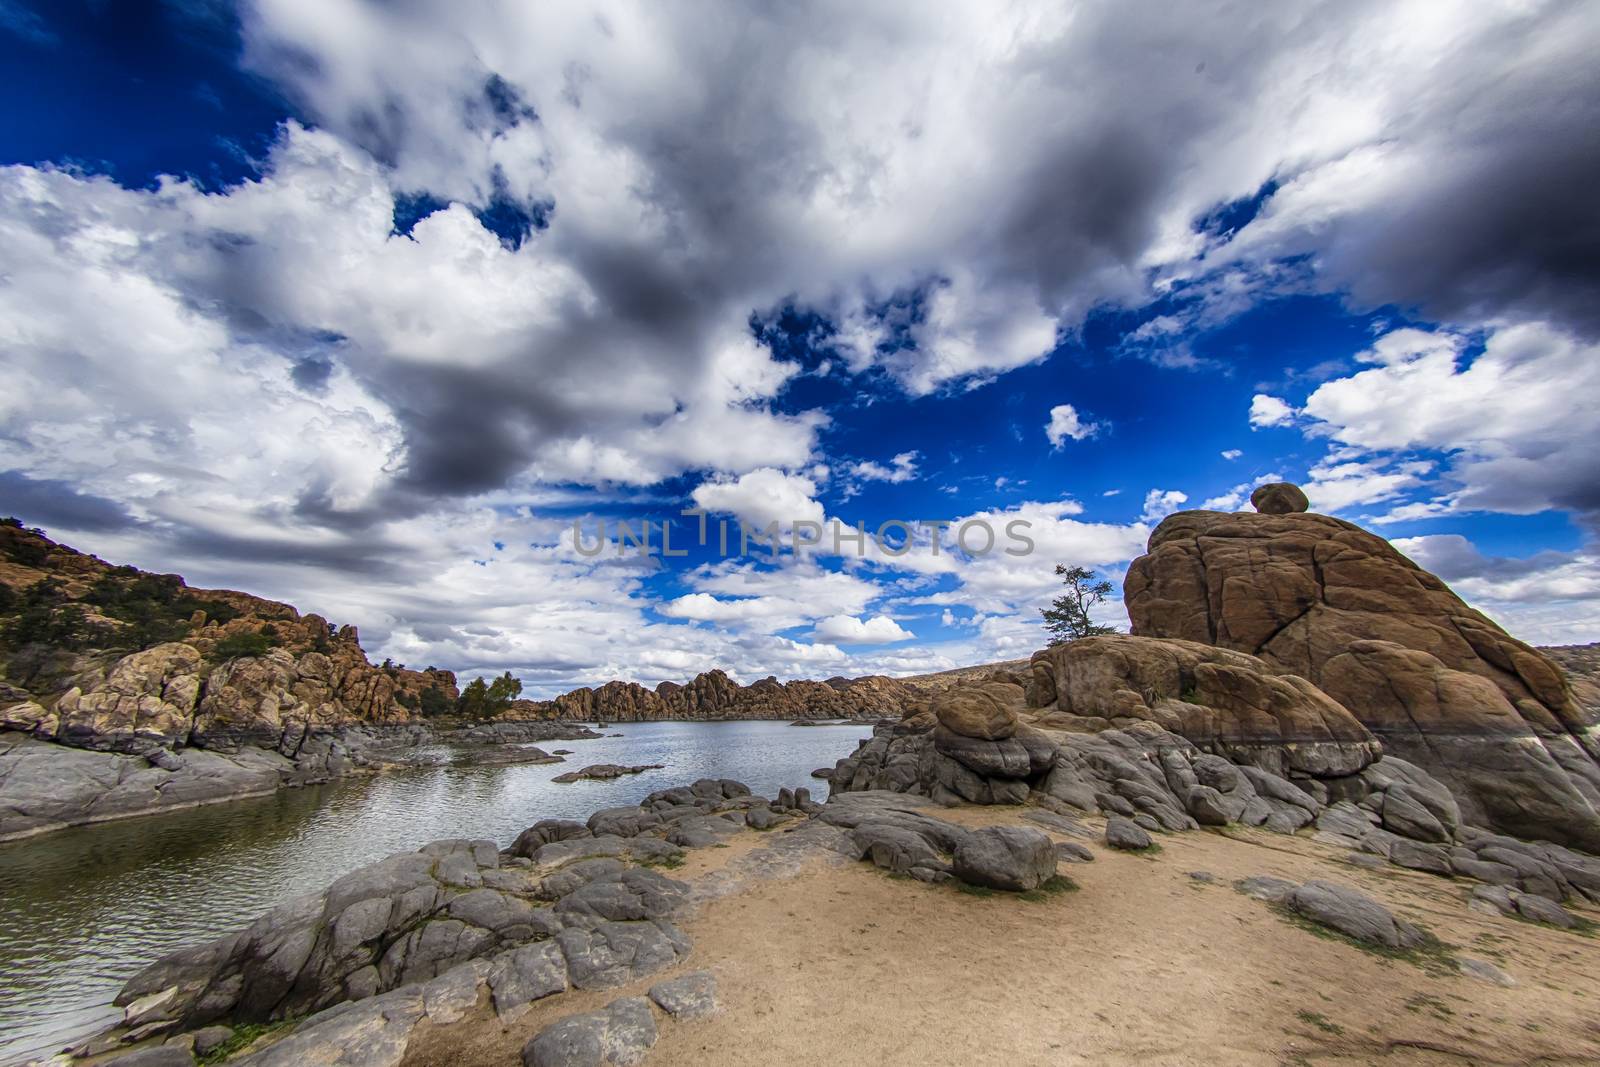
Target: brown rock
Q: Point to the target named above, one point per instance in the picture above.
(1435, 681)
(987, 711)
(1225, 702)
(1279, 498)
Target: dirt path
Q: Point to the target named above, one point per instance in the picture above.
(841, 964)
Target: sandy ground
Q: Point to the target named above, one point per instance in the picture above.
(841, 964)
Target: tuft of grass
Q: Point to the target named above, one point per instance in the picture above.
(971, 890)
(244, 1035)
(671, 863)
(1053, 886)
(1433, 955)
(1320, 1021)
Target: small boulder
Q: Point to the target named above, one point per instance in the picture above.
(1015, 858)
(1122, 833)
(1540, 910)
(692, 996)
(1072, 852)
(1279, 498)
(1353, 914)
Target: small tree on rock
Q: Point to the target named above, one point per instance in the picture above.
(1067, 617)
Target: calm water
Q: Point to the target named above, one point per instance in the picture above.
(81, 910)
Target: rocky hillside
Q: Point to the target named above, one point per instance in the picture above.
(115, 658)
(1305, 650)
(713, 695)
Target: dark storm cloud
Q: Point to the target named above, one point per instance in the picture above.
(1484, 204)
(47, 503)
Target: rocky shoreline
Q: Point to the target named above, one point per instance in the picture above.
(46, 786)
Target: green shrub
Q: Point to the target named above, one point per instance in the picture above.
(243, 643)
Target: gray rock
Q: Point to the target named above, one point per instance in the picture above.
(622, 1034)
(1148, 822)
(1492, 900)
(1014, 858)
(894, 847)
(1209, 807)
(523, 975)
(1485, 871)
(159, 1056)
(447, 998)
(636, 894)
(210, 1038)
(1122, 833)
(368, 1033)
(616, 953)
(1543, 911)
(544, 832)
(576, 875)
(692, 996)
(1416, 856)
(1344, 818)
(1484, 971)
(1354, 914)
(1205, 877)
(1072, 852)
(1265, 887)
(1403, 813)
(1364, 860)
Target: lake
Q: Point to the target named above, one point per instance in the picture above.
(82, 910)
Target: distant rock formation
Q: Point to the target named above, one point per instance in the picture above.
(713, 695)
(1437, 682)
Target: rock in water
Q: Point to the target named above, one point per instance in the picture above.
(1015, 858)
(1437, 682)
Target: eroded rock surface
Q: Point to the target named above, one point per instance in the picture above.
(1435, 681)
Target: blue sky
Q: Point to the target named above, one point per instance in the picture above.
(361, 305)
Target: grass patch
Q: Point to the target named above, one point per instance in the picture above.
(671, 863)
(1433, 955)
(1421, 1002)
(1055, 885)
(971, 890)
(243, 1037)
(1320, 1021)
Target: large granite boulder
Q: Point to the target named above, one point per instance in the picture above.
(1225, 702)
(147, 699)
(1437, 682)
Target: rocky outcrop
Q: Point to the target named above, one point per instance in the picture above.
(1435, 681)
(1225, 702)
(713, 696)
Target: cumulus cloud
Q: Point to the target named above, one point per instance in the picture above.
(277, 390)
(1549, 597)
(762, 497)
(849, 630)
(1231, 453)
(1516, 419)
(1065, 424)
(1159, 503)
(902, 468)
(1269, 411)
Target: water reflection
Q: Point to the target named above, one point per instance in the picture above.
(81, 910)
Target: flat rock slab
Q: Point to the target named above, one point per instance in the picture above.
(622, 1033)
(692, 996)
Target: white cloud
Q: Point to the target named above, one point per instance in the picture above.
(849, 630)
(1065, 424)
(762, 497)
(902, 468)
(1159, 503)
(1548, 598)
(1237, 498)
(1269, 411)
(1231, 453)
(1518, 422)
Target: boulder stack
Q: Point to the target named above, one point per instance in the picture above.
(1435, 681)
